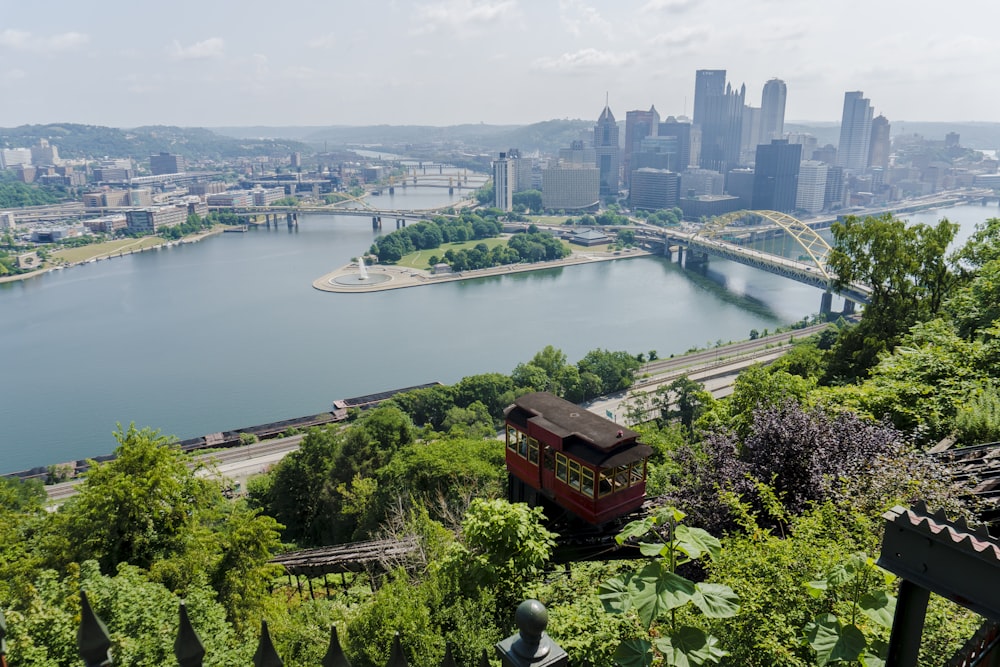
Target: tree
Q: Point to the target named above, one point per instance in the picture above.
(616, 370)
(684, 400)
(905, 268)
(136, 508)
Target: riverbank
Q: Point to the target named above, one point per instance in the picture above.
(117, 252)
(381, 277)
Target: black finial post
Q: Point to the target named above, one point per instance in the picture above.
(266, 655)
(92, 638)
(449, 659)
(531, 647)
(188, 648)
(334, 654)
(396, 658)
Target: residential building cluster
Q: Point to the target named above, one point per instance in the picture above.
(731, 155)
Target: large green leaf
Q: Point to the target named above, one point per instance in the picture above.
(833, 641)
(656, 591)
(875, 654)
(653, 548)
(690, 647)
(634, 653)
(716, 600)
(616, 594)
(635, 529)
(879, 606)
(817, 588)
(695, 542)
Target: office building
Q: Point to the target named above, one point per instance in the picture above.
(654, 189)
(708, 206)
(571, 187)
(707, 83)
(43, 154)
(880, 144)
(836, 193)
(750, 134)
(739, 183)
(682, 132)
(855, 132)
(657, 153)
(7, 223)
(607, 151)
(772, 110)
(503, 183)
(150, 220)
(696, 182)
(166, 163)
(14, 157)
(522, 169)
(230, 199)
(721, 130)
(776, 176)
(266, 196)
(638, 126)
(811, 194)
(578, 154)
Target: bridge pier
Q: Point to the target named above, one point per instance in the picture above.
(695, 259)
(397, 223)
(849, 307)
(392, 190)
(376, 222)
(826, 304)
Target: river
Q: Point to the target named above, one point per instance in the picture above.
(229, 332)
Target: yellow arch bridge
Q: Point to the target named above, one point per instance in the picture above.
(730, 236)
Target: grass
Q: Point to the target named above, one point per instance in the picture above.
(418, 259)
(105, 249)
(548, 219)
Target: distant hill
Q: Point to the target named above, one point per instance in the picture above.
(94, 141)
(983, 135)
(547, 136)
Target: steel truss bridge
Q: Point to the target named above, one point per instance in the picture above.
(719, 237)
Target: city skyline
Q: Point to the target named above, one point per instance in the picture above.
(447, 62)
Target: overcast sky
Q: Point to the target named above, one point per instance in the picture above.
(443, 62)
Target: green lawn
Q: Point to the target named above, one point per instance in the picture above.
(105, 249)
(548, 219)
(418, 259)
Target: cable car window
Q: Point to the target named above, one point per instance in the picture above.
(574, 475)
(621, 478)
(547, 459)
(606, 485)
(638, 472)
(532, 451)
(512, 438)
(561, 467)
(587, 483)
(522, 446)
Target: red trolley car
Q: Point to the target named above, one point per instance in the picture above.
(559, 452)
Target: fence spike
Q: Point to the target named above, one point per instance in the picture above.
(396, 658)
(92, 638)
(335, 654)
(448, 660)
(266, 655)
(484, 659)
(188, 648)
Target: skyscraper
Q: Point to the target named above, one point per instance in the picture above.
(638, 126)
(503, 182)
(855, 132)
(812, 186)
(672, 127)
(772, 110)
(880, 144)
(776, 176)
(707, 83)
(722, 129)
(607, 151)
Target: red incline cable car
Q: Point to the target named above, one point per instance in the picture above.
(559, 452)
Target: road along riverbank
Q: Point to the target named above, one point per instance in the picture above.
(380, 277)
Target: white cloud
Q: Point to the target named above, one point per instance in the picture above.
(681, 38)
(576, 16)
(13, 74)
(669, 6)
(462, 16)
(327, 41)
(213, 47)
(22, 40)
(584, 59)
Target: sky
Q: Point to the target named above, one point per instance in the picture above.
(442, 62)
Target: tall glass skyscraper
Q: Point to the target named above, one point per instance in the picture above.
(772, 110)
(607, 151)
(855, 132)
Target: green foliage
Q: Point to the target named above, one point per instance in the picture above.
(757, 387)
(428, 235)
(862, 587)
(978, 419)
(135, 508)
(614, 370)
(15, 194)
(684, 400)
(529, 200)
(655, 593)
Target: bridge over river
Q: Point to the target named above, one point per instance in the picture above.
(721, 238)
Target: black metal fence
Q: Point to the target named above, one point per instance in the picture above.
(531, 647)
